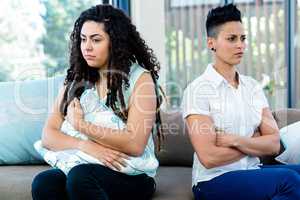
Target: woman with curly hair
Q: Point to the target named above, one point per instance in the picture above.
(99, 131)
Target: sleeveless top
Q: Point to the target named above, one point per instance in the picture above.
(96, 112)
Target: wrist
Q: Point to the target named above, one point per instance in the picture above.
(236, 142)
(81, 144)
(81, 125)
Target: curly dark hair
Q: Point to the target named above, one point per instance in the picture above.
(126, 48)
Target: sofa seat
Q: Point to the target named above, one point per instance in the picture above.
(15, 181)
(172, 182)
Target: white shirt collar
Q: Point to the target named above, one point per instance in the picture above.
(215, 77)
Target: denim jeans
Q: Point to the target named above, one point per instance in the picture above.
(271, 182)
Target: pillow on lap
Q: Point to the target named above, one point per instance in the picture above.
(101, 116)
(67, 159)
(96, 112)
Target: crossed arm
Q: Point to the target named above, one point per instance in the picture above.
(130, 141)
(215, 149)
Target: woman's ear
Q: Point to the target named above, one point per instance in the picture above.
(211, 43)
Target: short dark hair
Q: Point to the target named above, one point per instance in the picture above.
(219, 16)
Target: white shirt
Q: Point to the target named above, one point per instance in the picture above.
(234, 110)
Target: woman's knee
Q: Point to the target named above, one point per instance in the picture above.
(292, 176)
(82, 183)
(287, 178)
(78, 176)
(88, 173)
(38, 185)
(289, 186)
(47, 182)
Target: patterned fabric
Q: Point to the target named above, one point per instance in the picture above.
(96, 112)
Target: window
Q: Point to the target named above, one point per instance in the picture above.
(34, 36)
(187, 55)
(264, 23)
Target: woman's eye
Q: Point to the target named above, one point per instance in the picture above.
(96, 40)
(83, 39)
(231, 39)
(243, 39)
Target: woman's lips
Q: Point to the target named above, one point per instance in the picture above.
(89, 57)
(239, 54)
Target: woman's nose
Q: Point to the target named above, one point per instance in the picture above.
(88, 45)
(241, 44)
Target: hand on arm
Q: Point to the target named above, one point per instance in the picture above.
(52, 137)
(110, 158)
(231, 140)
(203, 138)
(266, 144)
(75, 113)
(55, 140)
(141, 116)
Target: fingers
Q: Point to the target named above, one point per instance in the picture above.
(120, 154)
(71, 105)
(76, 102)
(116, 160)
(220, 132)
(113, 164)
(217, 129)
(117, 165)
(77, 105)
(122, 162)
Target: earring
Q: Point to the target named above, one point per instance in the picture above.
(213, 49)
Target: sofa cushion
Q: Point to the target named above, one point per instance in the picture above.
(24, 107)
(283, 118)
(173, 183)
(17, 184)
(291, 137)
(286, 116)
(176, 148)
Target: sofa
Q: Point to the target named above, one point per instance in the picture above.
(31, 102)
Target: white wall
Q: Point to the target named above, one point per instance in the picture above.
(148, 16)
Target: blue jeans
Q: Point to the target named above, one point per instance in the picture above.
(271, 182)
(91, 181)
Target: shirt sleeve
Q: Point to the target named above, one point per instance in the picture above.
(259, 99)
(263, 98)
(195, 101)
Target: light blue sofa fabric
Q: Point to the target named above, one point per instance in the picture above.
(24, 106)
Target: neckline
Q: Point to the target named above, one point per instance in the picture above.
(98, 95)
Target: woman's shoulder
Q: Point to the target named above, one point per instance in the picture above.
(249, 81)
(200, 85)
(137, 75)
(137, 72)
